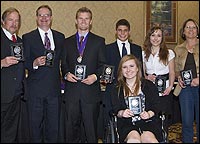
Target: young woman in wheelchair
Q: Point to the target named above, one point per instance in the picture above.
(135, 101)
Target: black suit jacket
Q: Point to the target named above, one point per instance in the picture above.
(44, 81)
(12, 77)
(113, 56)
(93, 58)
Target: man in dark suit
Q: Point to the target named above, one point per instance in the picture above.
(12, 76)
(114, 53)
(43, 47)
(82, 65)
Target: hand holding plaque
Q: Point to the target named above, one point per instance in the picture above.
(80, 71)
(187, 77)
(17, 51)
(135, 104)
(50, 56)
(108, 72)
(160, 82)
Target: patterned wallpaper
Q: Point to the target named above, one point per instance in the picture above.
(105, 15)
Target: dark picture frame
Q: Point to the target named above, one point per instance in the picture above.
(164, 14)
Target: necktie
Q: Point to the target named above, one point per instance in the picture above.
(124, 51)
(14, 38)
(47, 43)
(81, 40)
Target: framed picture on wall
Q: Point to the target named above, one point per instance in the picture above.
(163, 13)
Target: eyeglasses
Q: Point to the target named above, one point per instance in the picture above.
(44, 15)
(191, 27)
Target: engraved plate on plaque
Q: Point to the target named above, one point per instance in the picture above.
(187, 77)
(135, 104)
(80, 71)
(160, 82)
(50, 56)
(108, 72)
(17, 51)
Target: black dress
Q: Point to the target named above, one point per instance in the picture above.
(150, 101)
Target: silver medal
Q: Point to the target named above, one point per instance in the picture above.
(79, 59)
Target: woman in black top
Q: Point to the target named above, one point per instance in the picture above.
(133, 127)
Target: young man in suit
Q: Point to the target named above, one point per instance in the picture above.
(82, 65)
(12, 76)
(114, 53)
(43, 48)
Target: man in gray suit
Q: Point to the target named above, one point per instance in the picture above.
(82, 63)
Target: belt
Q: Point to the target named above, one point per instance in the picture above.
(164, 75)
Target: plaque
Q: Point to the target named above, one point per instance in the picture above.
(160, 82)
(80, 71)
(50, 56)
(187, 77)
(17, 51)
(135, 104)
(108, 72)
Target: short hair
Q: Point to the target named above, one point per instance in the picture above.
(82, 10)
(184, 24)
(44, 6)
(9, 11)
(123, 22)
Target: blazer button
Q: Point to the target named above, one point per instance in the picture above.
(15, 78)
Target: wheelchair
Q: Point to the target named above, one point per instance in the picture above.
(111, 133)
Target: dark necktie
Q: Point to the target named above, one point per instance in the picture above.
(14, 38)
(81, 40)
(47, 43)
(124, 51)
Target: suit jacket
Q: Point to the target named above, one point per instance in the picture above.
(12, 77)
(44, 81)
(93, 58)
(113, 56)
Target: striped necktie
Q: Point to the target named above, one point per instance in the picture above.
(47, 43)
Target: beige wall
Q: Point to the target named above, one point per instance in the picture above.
(105, 15)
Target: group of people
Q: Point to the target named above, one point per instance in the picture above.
(78, 60)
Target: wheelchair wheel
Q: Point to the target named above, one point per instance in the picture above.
(111, 135)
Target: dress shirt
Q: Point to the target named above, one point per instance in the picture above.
(120, 45)
(50, 35)
(8, 34)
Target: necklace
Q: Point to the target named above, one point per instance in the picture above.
(131, 88)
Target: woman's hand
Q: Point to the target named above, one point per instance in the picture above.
(145, 115)
(167, 91)
(195, 82)
(180, 82)
(125, 113)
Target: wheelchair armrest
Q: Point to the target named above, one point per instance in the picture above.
(162, 117)
(113, 117)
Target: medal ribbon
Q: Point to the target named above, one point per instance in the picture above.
(81, 47)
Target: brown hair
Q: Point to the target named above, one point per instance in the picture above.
(163, 53)
(82, 10)
(44, 6)
(9, 11)
(184, 24)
